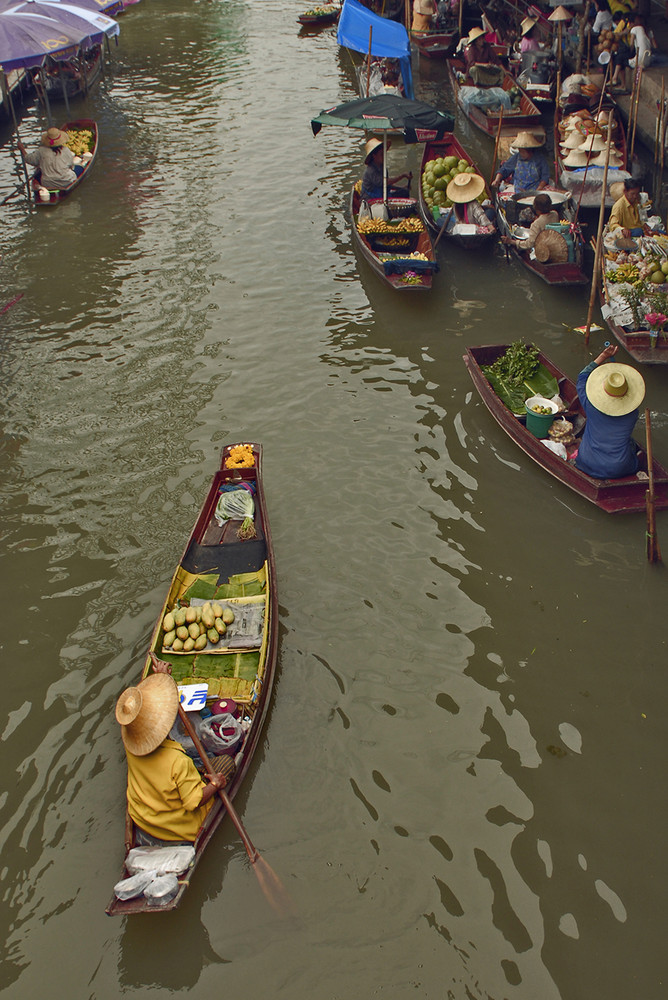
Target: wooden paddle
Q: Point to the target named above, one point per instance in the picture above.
(444, 226)
(653, 550)
(496, 145)
(269, 881)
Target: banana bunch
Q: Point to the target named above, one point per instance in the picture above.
(410, 225)
(80, 141)
(415, 255)
(626, 273)
(193, 628)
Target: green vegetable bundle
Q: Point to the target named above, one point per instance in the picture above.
(518, 374)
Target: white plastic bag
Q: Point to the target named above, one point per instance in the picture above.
(161, 890)
(234, 505)
(160, 860)
(130, 888)
(556, 447)
(214, 739)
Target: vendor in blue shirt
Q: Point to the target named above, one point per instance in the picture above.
(610, 395)
(527, 167)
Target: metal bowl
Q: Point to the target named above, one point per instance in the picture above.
(520, 233)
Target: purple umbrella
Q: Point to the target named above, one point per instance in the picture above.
(30, 31)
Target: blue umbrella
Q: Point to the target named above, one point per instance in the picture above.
(31, 30)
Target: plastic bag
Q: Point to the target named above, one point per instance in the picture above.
(215, 740)
(130, 888)
(555, 447)
(161, 890)
(365, 211)
(234, 505)
(160, 860)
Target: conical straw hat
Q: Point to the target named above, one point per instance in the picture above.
(594, 143)
(526, 140)
(614, 161)
(527, 24)
(551, 247)
(146, 713)
(576, 158)
(573, 141)
(560, 14)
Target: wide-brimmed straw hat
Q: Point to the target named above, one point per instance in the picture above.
(616, 189)
(615, 389)
(147, 712)
(527, 140)
(473, 34)
(370, 146)
(54, 137)
(576, 158)
(527, 24)
(465, 187)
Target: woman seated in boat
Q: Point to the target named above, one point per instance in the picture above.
(464, 191)
(545, 216)
(625, 214)
(478, 50)
(527, 166)
(610, 395)
(372, 182)
(54, 160)
(391, 81)
(167, 798)
(424, 12)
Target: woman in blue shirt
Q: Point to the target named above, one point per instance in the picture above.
(527, 167)
(610, 396)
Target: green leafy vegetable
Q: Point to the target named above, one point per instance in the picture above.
(518, 374)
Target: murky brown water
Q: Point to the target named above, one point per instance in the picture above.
(461, 781)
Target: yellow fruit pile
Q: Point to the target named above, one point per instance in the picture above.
(410, 225)
(188, 629)
(80, 141)
(240, 457)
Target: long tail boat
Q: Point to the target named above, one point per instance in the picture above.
(219, 565)
(449, 146)
(434, 44)
(56, 195)
(325, 13)
(615, 496)
(566, 272)
(625, 322)
(524, 117)
(391, 254)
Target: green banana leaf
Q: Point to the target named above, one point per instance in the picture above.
(540, 383)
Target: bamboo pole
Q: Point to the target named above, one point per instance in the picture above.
(653, 550)
(663, 123)
(559, 55)
(496, 145)
(635, 116)
(599, 234)
(598, 112)
(368, 62)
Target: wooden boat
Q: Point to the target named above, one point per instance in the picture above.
(325, 14)
(449, 146)
(568, 272)
(240, 573)
(634, 339)
(383, 251)
(585, 186)
(526, 117)
(536, 74)
(433, 44)
(72, 77)
(57, 195)
(615, 496)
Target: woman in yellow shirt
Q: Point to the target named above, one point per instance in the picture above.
(167, 798)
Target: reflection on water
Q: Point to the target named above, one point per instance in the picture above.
(457, 783)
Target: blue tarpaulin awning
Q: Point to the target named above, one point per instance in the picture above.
(389, 39)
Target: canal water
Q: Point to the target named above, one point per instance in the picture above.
(461, 777)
